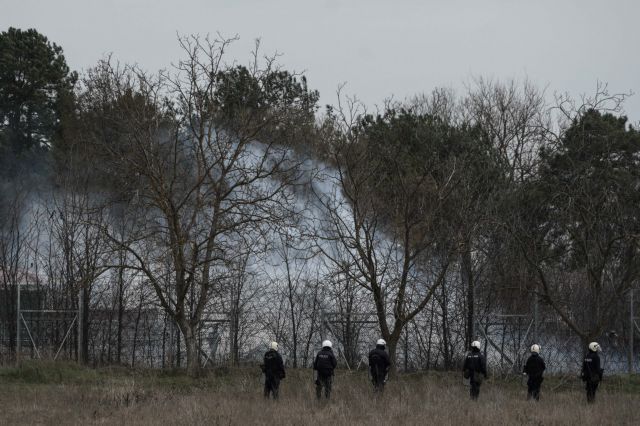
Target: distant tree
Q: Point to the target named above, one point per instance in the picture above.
(389, 228)
(15, 239)
(510, 121)
(35, 85)
(204, 178)
(579, 226)
(243, 96)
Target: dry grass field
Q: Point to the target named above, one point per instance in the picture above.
(64, 394)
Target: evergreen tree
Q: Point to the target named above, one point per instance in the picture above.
(35, 88)
(580, 221)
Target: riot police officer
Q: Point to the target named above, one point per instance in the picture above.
(379, 365)
(534, 367)
(273, 368)
(591, 371)
(324, 365)
(475, 369)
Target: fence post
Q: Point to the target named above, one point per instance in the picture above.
(80, 326)
(18, 348)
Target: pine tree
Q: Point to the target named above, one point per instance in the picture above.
(35, 87)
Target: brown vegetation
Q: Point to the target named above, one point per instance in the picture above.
(234, 397)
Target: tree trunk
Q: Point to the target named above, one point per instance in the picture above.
(466, 272)
(178, 347)
(392, 346)
(235, 336)
(135, 334)
(191, 346)
(164, 341)
(406, 349)
(120, 313)
(86, 296)
(445, 330)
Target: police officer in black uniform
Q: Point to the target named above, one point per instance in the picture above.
(591, 371)
(379, 365)
(534, 367)
(475, 369)
(324, 365)
(273, 369)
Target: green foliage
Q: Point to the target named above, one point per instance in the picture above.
(238, 90)
(41, 372)
(35, 86)
(580, 219)
(416, 142)
(421, 166)
(590, 185)
(280, 99)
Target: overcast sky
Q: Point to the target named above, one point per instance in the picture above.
(379, 48)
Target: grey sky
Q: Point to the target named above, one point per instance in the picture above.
(380, 48)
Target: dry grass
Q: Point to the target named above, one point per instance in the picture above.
(147, 398)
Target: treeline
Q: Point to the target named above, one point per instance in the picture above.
(222, 195)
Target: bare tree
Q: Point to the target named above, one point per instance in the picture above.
(207, 173)
(14, 246)
(509, 122)
(243, 288)
(385, 224)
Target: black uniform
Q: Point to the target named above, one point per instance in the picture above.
(534, 368)
(324, 364)
(379, 364)
(591, 374)
(475, 369)
(274, 372)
